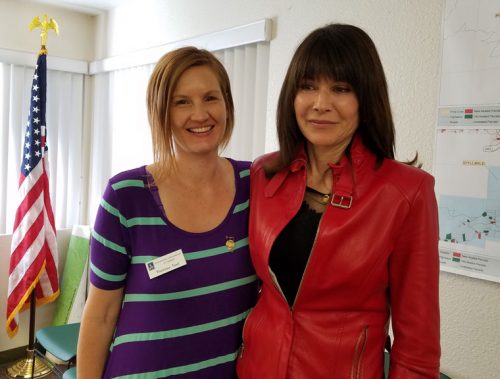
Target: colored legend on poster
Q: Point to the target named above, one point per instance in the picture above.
(468, 262)
(483, 116)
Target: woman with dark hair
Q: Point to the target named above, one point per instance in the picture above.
(171, 276)
(343, 237)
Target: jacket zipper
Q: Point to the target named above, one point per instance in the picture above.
(273, 276)
(358, 353)
(312, 248)
(308, 259)
(242, 347)
(300, 284)
(276, 284)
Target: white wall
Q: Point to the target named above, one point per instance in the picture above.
(407, 34)
(76, 30)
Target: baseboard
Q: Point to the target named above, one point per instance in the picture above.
(12, 355)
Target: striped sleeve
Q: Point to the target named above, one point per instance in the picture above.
(109, 248)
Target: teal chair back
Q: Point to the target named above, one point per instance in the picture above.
(70, 373)
(59, 340)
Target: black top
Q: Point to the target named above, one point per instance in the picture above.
(291, 250)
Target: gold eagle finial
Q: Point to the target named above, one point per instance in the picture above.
(45, 25)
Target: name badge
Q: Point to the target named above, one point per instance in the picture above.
(166, 263)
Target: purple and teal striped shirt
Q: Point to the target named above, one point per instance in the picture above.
(185, 323)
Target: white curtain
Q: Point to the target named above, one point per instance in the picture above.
(247, 67)
(121, 136)
(64, 139)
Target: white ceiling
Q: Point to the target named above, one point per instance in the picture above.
(84, 6)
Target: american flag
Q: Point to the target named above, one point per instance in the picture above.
(33, 257)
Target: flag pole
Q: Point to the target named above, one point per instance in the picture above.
(30, 367)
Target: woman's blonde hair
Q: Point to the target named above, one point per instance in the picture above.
(160, 90)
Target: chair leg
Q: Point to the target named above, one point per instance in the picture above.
(53, 367)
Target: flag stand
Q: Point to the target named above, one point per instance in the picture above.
(30, 367)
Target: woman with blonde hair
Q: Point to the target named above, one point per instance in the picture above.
(171, 277)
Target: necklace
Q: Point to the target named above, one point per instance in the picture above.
(325, 197)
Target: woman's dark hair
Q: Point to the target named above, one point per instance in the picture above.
(342, 53)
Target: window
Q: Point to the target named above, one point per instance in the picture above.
(119, 138)
(64, 135)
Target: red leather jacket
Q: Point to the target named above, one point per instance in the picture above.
(375, 256)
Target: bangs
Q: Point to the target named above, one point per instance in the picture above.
(324, 58)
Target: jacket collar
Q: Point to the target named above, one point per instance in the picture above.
(344, 173)
(299, 163)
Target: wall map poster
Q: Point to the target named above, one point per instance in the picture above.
(467, 154)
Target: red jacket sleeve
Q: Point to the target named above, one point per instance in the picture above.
(414, 290)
